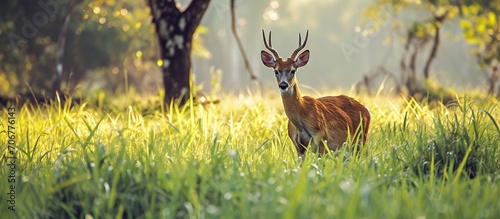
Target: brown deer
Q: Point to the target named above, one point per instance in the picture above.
(327, 121)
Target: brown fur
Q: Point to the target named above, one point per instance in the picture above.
(330, 118)
(326, 121)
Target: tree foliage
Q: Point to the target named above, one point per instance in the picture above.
(478, 21)
(104, 39)
(480, 25)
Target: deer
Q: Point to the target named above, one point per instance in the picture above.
(325, 122)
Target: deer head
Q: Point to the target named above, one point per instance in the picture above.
(284, 70)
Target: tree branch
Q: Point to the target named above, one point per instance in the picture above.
(194, 13)
(158, 7)
(493, 79)
(240, 45)
(432, 56)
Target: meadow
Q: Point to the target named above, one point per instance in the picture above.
(135, 157)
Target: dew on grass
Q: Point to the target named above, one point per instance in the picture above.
(283, 200)
(212, 209)
(320, 173)
(315, 166)
(228, 196)
(233, 154)
(271, 181)
(311, 174)
(346, 185)
(106, 187)
(366, 190)
(97, 201)
(251, 197)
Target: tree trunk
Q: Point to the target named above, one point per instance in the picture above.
(493, 80)
(437, 26)
(61, 45)
(61, 42)
(411, 84)
(176, 70)
(175, 31)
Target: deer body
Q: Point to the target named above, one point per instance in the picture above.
(326, 121)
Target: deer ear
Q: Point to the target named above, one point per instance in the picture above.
(302, 59)
(267, 59)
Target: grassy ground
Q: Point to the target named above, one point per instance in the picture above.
(128, 158)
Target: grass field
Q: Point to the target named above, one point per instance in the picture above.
(132, 158)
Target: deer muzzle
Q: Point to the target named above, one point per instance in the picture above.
(283, 85)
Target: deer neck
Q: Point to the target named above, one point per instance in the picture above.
(293, 104)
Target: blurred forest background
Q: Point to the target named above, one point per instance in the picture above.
(409, 45)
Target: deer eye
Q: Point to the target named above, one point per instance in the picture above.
(292, 71)
(275, 72)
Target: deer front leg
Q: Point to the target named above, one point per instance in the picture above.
(319, 143)
(296, 139)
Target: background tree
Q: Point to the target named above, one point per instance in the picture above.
(481, 28)
(478, 20)
(78, 35)
(29, 32)
(417, 35)
(97, 44)
(175, 30)
(61, 46)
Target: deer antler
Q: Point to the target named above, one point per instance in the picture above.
(270, 47)
(301, 46)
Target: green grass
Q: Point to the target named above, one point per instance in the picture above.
(127, 158)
